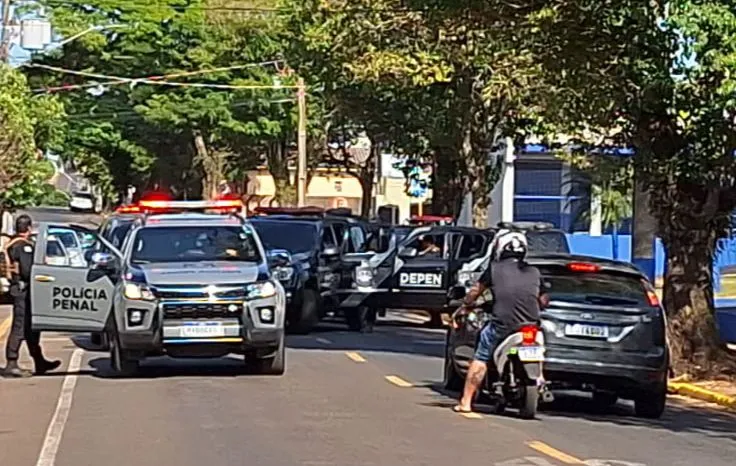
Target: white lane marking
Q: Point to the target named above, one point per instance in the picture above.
(51, 442)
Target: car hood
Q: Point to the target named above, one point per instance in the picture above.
(200, 273)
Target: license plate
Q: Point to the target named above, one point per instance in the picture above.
(590, 331)
(531, 353)
(202, 330)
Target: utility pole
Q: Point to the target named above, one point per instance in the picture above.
(301, 164)
(5, 37)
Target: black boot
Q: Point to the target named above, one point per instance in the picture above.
(43, 366)
(13, 371)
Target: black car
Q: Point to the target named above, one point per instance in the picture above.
(318, 245)
(402, 278)
(604, 332)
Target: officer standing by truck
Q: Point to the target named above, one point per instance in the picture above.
(19, 259)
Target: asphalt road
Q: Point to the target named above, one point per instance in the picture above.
(346, 399)
(61, 215)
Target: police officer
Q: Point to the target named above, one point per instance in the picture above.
(19, 258)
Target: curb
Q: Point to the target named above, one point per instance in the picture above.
(693, 391)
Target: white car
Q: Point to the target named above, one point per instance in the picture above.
(82, 202)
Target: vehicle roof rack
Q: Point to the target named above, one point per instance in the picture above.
(525, 226)
(309, 211)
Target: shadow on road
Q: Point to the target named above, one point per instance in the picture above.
(389, 336)
(678, 418)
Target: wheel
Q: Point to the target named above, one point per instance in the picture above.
(307, 315)
(360, 319)
(604, 399)
(120, 360)
(273, 365)
(651, 404)
(452, 380)
(529, 402)
(435, 320)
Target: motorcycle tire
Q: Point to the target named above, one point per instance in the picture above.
(529, 402)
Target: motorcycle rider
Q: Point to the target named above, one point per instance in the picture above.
(518, 297)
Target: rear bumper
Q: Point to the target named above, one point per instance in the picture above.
(608, 371)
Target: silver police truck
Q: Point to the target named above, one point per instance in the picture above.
(184, 283)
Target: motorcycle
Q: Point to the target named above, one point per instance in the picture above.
(516, 376)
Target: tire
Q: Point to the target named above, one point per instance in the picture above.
(435, 320)
(529, 402)
(308, 314)
(274, 365)
(122, 363)
(604, 399)
(452, 380)
(651, 404)
(360, 319)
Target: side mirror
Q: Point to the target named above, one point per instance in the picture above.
(457, 293)
(102, 260)
(407, 252)
(279, 258)
(331, 252)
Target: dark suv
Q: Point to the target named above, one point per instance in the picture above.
(604, 332)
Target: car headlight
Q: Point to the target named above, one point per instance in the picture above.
(261, 290)
(138, 291)
(284, 274)
(364, 277)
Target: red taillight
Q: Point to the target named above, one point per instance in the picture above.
(529, 334)
(583, 267)
(653, 299)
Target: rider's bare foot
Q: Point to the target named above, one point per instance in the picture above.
(462, 409)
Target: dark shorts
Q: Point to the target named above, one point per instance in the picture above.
(486, 344)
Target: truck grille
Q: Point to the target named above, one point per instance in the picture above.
(200, 310)
(200, 292)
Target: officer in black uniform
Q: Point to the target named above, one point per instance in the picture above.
(19, 254)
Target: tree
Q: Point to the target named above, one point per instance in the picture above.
(28, 126)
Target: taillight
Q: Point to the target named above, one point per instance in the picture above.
(583, 267)
(529, 334)
(653, 299)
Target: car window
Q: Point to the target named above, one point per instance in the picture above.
(67, 237)
(55, 252)
(82, 195)
(194, 244)
(357, 241)
(339, 230)
(117, 234)
(295, 237)
(328, 238)
(438, 239)
(471, 246)
(594, 288)
(547, 242)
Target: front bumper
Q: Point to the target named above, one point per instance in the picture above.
(161, 328)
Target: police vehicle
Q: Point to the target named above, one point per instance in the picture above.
(542, 238)
(184, 283)
(403, 277)
(319, 246)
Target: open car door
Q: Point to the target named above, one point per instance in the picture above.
(73, 297)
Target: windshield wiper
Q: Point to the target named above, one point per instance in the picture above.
(596, 298)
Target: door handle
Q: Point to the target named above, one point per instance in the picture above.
(44, 278)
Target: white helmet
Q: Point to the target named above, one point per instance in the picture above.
(510, 244)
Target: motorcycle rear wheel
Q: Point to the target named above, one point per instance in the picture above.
(529, 401)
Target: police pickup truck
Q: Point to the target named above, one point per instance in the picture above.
(318, 245)
(417, 271)
(184, 283)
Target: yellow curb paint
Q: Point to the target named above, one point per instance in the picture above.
(702, 394)
(355, 356)
(553, 453)
(5, 326)
(398, 381)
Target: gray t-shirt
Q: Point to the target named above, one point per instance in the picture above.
(516, 287)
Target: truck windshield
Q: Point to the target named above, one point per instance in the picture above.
(295, 237)
(194, 244)
(547, 242)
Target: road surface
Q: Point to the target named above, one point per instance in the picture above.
(346, 399)
(62, 215)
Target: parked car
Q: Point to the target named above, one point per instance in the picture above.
(82, 202)
(604, 332)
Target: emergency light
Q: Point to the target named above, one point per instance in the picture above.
(220, 205)
(128, 209)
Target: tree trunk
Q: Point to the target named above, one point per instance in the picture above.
(447, 183)
(213, 166)
(688, 298)
(278, 166)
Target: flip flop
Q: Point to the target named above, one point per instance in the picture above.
(460, 409)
